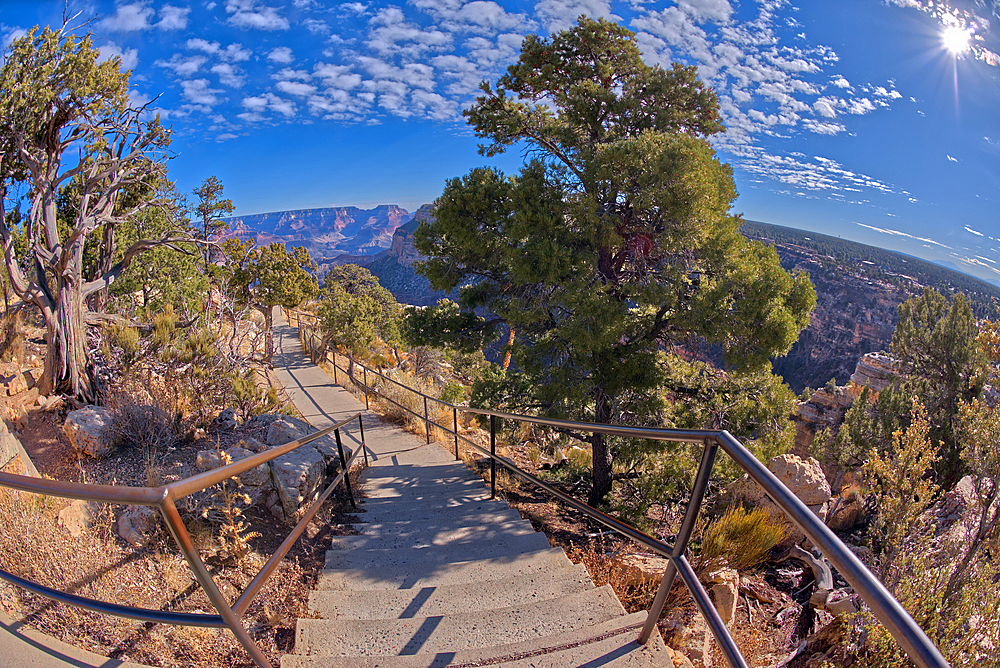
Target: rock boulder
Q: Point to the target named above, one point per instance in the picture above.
(89, 431)
(137, 524)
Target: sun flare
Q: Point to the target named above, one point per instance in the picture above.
(955, 39)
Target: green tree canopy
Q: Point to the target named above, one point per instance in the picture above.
(616, 240)
(355, 310)
(270, 276)
(211, 209)
(935, 344)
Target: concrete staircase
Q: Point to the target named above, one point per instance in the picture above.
(443, 576)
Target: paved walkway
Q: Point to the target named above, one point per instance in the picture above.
(322, 403)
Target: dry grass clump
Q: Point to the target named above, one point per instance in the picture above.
(635, 593)
(142, 414)
(740, 538)
(98, 565)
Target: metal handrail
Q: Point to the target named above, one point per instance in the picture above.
(907, 634)
(164, 498)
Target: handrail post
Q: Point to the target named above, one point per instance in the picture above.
(427, 421)
(176, 527)
(364, 447)
(493, 455)
(454, 416)
(364, 371)
(343, 466)
(682, 539)
(335, 381)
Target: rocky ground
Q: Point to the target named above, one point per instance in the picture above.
(122, 554)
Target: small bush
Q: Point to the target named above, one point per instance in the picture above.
(452, 393)
(126, 339)
(635, 594)
(741, 538)
(141, 416)
(164, 327)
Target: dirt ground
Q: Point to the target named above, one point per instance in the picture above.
(101, 565)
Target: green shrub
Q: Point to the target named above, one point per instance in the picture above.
(126, 339)
(740, 538)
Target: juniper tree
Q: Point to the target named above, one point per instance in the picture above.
(355, 310)
(66, 121)
(615, 241)
(269, 276)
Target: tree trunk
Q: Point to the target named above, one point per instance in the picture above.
(269, 335)
(601, 452)
(510, 343)
(67, 368)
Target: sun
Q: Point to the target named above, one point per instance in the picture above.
(955, 39)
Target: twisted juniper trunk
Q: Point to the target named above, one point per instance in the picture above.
(67, 368)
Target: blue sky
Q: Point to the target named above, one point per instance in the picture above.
(877, 121)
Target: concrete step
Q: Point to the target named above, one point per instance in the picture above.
(449, 599)
(453, 470)
(392, 558)
(474, 490)
(452, 633)
(429, 575)
(610, 644)
(413, 536)
(435, 499)
(469, 514)
(420, 528)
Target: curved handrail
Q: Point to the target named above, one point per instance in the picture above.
(164, 497)
(886, 608)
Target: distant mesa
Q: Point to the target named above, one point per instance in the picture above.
(326, 233)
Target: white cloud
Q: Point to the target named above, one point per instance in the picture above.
(235, 53)
(128, 18)
(561, 14)
(951, 159)
(825, 107)
(337, 76)
(203, 45)
(860, 106)
(288, 74)
(711, 10)
(393, 33)
(822, 128)
(173, 18)
(316, 27)
(226, 136)
(897, 233)
(198, 92)
(969, 229)
(841, 82)
(129, 57)
(259, 105)
(247, 14)
(281, 54)
(354, 8)
(482, 16)
(182, 66)
(296, 88)
(229, 75)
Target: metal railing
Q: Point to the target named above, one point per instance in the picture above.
(165, 498)
(907, 634)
